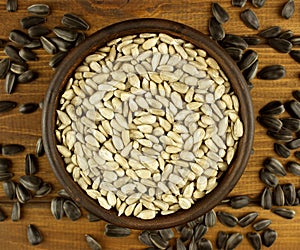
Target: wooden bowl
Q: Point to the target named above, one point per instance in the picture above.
(99, 39)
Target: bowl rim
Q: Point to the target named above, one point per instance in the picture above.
(135, 26)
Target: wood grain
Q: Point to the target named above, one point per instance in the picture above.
(26, 129)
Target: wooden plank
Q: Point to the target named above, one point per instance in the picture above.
(26, 129)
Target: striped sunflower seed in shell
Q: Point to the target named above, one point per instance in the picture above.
(288, 9)
(250, 19)
(34, 235)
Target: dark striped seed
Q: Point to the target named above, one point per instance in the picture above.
(35, 44)
(180, 245)
(235, 53)
(10, 82)
(251, 72)
(289, 193)
(61, 44)
(292, 124)
(233, 241)
(71, 210)
(27, 108)
(288, 9)
(282, 135)
(266, 199)
(27, 76)
(296, 94)
(250, 19)
(23, 195)
(284, 212)
(65, 33)
(278, 196)
(11, 5)
(57, 207)
(293, 167)
(258, 3)
(238, 3)
(262, 224)
(5, 164)
(239, 201)
(199, 231)
(221, 239)
(268, 178)
(6, 106)
(2, 215)
(92, 243)
(9, 188)
(31, 164)
(274, 166)
(144, 237)
(166, 234)
(56, 59)
(18, 68)
(252, 40)
(92, 217)
(4, 67)
(204, 244)
(227, 219)
(37, 31)
(116, 231)
(281, 45)
(293, 108)
(272, 72)
(186, 233)
(45, 189)
(248, 58)
(39, 149)
(13, 53)
(6, 176)
(34, 235)
(80, 38)
(210, 218)
(271, 123)
(219, 13)
(48, 45)
(294, 144)
(31, 182)
(272, 108)
(231, 40)
(295, 40)
(297, 154)
(19, 37)
(73, 21)
(268, 237)
(247, 219)
(30, 21)
(39, 9)
(286, 34)
(27, 54)
(254, 240)
(11, 149)
(270, 32)
(215, 29)
(295, 54)
(16, 211)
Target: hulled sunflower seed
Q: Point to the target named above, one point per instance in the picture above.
(27, 108)
(92, 243)
(215, 29)
(48, 45)
(10, 82)
(284, 212)
(74, 22)
(295, 54)
(116, 231)
(272, 72)
(293, 108)
(292, 124)
(238, 3)
(254, 240)
(4, 67)
(293, 167)
(239, 201)
(39, 9)
(210, 218)
(23, 195)
(231, 40)
(278, 196)
(11, 5)
(272, 108)
(233, 241)
(281, 150)
(281, 45)
(9, 188)
(268, 237)
(288, 9)
(271, 123)
(27, 76)
(5, 164)
(66, 34)
(258, 3)
(16, 211)
(250, 19)
(30, 21)
(289, 193)
(221, 239)
(31, 182)
(56, 59)
(13, 53)
(248, 58)
(44, 189)
(219, 13)
(39, 149)
(19, 37)
(6, 106)
(34, 235)
(38, 31)
(227, 219)
(270, 32)
(31, 165)
(57, 207)
(71, 210)
(204, 244)
(262, 224)
(274, 166)
(11, 149)
(247, 219)
(266, 199)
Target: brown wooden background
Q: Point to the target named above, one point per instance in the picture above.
(26, 129)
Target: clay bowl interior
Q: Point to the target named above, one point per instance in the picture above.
(99, 39)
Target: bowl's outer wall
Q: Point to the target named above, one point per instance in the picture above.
(98, 40)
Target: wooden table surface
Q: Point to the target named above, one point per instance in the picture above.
(26, 129)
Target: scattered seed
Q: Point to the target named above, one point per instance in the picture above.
(210, 218)
(16, 211)
(266, 198)
(270, 32)
(278, 196)
(271, 123)
(233, 241)
(262, 224)
(235, 53)
(292, 124)
(31, 164)
(71, 210)
(34, 235)
(56, 59)
(6, 176)
(39, 150)
(28, 108)
(30, 21)
(268, 237)
(44, 189)
(252, 40)
(239, 201)
(2, 215)
(221, 239)
(227, 219)
(4, 67)
(295, 54)
(293, 167)
(11, 5)
(5, 164)
(250, 72)
(219, 13)
(215, 29)
(65, 33)
(6, 106)
(289, 193)
(288, 9)
(205, 244)
(92, 243)
(272, 108)
(13, 53)
(10, 82)
(293, 108)
(254, 240)
(11, 149)
(73, 21)
(238, 3)
(158, 241)
(27, 76)
(39, 9)
(248, 58)
(282, 135)
(272, 72)
(116, 231)
(31, 182)
(19, 37)
(18, 68)
(247, 219)
(281, 45)
(48, 45)
(258, 3)
(38, 30)
(231, 40)
(57, 209)
(250, 19)
(274, 166)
